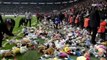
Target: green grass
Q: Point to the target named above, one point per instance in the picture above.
(32, 54)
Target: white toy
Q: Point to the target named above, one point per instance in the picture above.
(3, 51)
(23, 49)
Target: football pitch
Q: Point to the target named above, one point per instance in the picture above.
(31, 54)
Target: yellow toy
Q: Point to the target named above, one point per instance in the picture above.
(15, 50)
(67, 49)
(55, 59)
(104, 43)
(81, 58)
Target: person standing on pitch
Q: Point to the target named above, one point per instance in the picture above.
(28, 16)
(94, 23)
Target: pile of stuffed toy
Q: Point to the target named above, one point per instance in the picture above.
(60, 45)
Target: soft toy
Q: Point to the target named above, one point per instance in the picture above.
(3, 58)
(7, 54)
(92, 50)
(42, 58)
(78, 52)
(15, 50)
(55, 58)
(101, 49)
(63, 55)
(67, 50)
(11, 41)
(41, 48)
(3, 51)
(42, 37)
(104, 43)
(87, 55)
(88, 42)
(81, 58)
(25, 41)
(29, 44)
(19, 44)
(56, 52)
(46, 56)
(23, 49)
(49, 51)
(102, 58)
(34, 42)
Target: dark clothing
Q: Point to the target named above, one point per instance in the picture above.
(81, 21)
(102, 36)
(94, 19)
(1, 36)
(61, 16)
(103, 14)
(29, 21)
(57, 22)
(94, 30)
(94, 23)
(1, 20)
(10, 23)
(3, 29)
(23, 22)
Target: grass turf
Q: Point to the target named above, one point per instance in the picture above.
(32, 54)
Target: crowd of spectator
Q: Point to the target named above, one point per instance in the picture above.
(21, 9)
(34, 0)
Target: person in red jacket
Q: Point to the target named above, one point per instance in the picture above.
(86, 22)
(102, 29)
(70, 19)
(77, 21)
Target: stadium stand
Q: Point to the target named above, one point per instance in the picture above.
(35, 0)
(10, 9)
(21, 6)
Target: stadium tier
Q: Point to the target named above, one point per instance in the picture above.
(10, 9)
(34, 0)
(21, 6)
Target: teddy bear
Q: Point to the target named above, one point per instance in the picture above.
(25, 41)
(7, 54)
(23, 49)
(101, 50)
(104, 43)
(15, 50)
(41, 48)
(49, 51)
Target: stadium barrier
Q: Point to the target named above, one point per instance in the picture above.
(18, 15)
